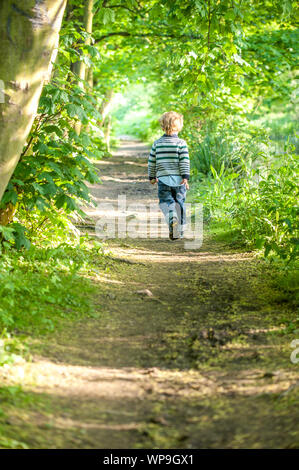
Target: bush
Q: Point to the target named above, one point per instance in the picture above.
(41, 285)
(259, 202)
(224, 145)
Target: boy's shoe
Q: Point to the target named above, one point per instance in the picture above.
(173, 229)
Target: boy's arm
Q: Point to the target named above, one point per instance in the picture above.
(152, 165)
(184, 163)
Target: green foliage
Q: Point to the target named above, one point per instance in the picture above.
(280, 120)
(12, 397)
(42, 285)
(267, 210)
(132, 114)
(53, 171)
(11, 349)
(227, 66)
(50, 178)
(259, 202)
(219, 146)
(210, 61)
(14, 235)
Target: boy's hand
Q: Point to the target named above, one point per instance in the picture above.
(185, 182)
(154, 181)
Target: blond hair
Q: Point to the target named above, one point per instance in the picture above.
(171, 122)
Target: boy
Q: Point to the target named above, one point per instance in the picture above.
(169, 166)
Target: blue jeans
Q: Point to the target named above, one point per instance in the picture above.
(171, 202)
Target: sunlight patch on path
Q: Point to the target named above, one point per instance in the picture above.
(130, 382)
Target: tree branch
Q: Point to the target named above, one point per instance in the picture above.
(135, 12)
(127, 34)
(209, 25)
(122, 6)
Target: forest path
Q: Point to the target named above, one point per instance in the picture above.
(199, 364)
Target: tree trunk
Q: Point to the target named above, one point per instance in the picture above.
(107, 132)
(82, 72)
(89, 77)
(106, 104)
(7, 214)
(29, 30)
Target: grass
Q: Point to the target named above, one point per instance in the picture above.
(42, 285)
(14, 398)
(43, 278)
(44, 288)
(285, 278)
(41, 289)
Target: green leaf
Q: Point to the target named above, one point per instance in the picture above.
(65, 201)
(106, 15)
(259, 243)
(74, 110)
(7, 233)
(10, 196)
(41, 147)
(55, 129)
(20, 238)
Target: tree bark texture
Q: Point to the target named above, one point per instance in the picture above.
(29, 31)
(83, 70)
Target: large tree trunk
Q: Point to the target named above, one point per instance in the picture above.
(83, 71)
(29, 31)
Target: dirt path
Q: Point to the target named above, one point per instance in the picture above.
(203, 362)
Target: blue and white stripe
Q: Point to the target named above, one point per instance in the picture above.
(169, 156)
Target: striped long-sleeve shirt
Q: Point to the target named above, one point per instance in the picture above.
(169, 156)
